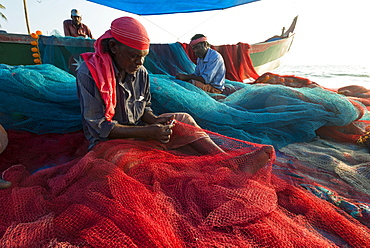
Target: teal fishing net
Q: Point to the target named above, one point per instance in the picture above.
(43, 100)
(168, 59)
(64, 52)
(39, 99)
(268, 114)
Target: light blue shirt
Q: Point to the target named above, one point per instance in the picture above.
(212, 69)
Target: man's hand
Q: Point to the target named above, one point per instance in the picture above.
(159, 129)
(162, 129)
(188, 77)
(150, 118)
(183, 77)
(159, 132)
(164, 120)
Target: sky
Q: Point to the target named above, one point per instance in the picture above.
(327, 32)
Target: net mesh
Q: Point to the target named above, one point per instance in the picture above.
(334, 171)
(44, 100)
(39, 99)
(349, 162)
(129, 194)
(165, 199)
(64, 51)
(268, 114)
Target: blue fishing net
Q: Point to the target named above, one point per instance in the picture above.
(43, 99)
(267, 114)
(168, 59)
(64, 52)
(39, 99)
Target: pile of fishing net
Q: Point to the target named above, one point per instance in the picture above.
(268, 114)
(166, 199)
(64, 196)
(334, 171)
(39, 99)
(43, 99)
(358, 93)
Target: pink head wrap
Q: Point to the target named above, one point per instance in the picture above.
(201, 39)
(128, 31)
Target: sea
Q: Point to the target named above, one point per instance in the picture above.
(329, 76)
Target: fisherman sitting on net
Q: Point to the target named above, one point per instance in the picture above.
(114, 92)
(210, 70)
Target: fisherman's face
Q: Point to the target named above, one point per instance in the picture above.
(128, 59)
(76, 20)
(200, 49)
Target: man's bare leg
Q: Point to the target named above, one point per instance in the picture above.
(249, 162)
(206, 146)
(255, 160)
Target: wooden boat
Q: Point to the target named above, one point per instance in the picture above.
(267, 55)
(63, 52)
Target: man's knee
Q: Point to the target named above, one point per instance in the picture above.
(186, 118)
(3, 139)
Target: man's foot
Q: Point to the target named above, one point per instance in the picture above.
(253, 161)
(4, 184)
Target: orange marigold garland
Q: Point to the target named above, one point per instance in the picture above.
(36, 51)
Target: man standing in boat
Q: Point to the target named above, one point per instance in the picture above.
(75, 27)
(210, 70)
(114, 91)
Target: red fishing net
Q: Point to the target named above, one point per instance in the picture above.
(357, 93)
(286, 80)
(128, 194)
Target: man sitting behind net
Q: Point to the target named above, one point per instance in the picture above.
(210, 70)
(75, 27)
(114, 91)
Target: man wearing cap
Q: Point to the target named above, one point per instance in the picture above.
(75, 27)
(210, 70)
